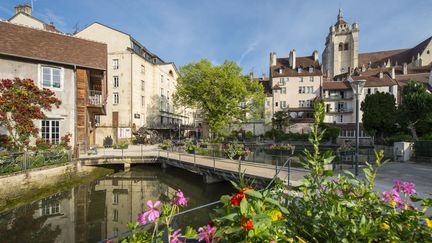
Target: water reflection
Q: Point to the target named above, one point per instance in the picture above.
(94, 211)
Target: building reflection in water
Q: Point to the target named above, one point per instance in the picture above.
(102, 208)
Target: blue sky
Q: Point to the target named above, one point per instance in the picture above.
(245, 31)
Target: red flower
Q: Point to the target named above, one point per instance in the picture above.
(236, 199)
(247, 224)
(26, 142)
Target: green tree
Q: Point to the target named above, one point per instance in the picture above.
(280, 119)
(379, 114)
(22, 102)
(416, 106)
(217, 92)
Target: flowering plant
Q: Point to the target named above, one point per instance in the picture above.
(236, 151)
(282, 146)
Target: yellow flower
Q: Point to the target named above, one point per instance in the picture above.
(290, 239)
(392, 203)
(428, 223)
(300, 239)
(384, 226)
(275, 215)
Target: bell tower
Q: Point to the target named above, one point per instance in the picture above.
(341, 48)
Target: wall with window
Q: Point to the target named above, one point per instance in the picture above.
(295, 89)
(58, 78)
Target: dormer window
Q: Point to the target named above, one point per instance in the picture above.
(300, 70)
(280, 70)
(311, 69)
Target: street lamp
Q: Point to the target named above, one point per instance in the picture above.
(357, 86)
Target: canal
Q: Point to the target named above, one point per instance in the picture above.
(102, 208)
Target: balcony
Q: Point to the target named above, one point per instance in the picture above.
(338, 97)
(96, 102)
(340, 110)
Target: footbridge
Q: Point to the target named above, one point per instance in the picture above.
(212, 168)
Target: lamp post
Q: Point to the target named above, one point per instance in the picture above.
(357, 86)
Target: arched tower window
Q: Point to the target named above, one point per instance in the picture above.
(346, 46)
(341, 46)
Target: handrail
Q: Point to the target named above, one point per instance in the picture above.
(288, 161)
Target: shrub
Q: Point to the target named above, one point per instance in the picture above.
(236, 151)
(108, 142)
(165, 145)
(282, 146)
(398, 138)
(249, 135)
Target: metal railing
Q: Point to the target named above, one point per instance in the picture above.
(95, 97)
(16, 162)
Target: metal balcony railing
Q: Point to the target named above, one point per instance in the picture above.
(95, 97)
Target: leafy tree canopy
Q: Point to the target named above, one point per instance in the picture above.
(379, 113)
(280, 119)
(217, 92)
(416, 106)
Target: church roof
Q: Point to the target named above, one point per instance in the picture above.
(400, 56)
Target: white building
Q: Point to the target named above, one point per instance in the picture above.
(140, 87)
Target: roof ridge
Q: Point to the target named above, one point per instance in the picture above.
(402, 49)
(50, 31)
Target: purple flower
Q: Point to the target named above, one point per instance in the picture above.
(404, 186)
(180, 199)
(392, 195)
(142, 218)
(151, 215)
(175, 236)
(206, 233)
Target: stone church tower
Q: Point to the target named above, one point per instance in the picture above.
(341, 48)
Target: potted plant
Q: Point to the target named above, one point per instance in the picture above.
(166, 144)
(236, 151)
(282, 148)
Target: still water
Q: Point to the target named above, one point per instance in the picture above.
(102, 208)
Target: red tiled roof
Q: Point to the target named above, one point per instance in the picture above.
(302, 62)
(20, 41)
(336, 85)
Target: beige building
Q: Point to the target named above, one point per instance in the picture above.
(23, 16)
(72, 67)
(295, 83)
(140, 87)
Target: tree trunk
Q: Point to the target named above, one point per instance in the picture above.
(411, 127)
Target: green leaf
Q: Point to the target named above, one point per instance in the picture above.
(243, 206)
(190, 233)
(230, 217)
(328, 173)
(253, 193)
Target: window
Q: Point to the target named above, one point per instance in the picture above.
(300, 70)
(280, 70)
(267, 103)
(276, 104)
(115, 64)
(115, 215)
(311, 79)
(341, 118)
(369, 91)
(340, 46)
(309, 103)
(162, 91)
(375, 90)
(142, 69)
(116, 81)
(283, 104)
(283, 91)
(391, 89)
(116, 98)
(142, 101)
(51, 77)
(302, 89)
(161, 78)
(311, 69)
(50, 131)
(282, 81)
(301, 103)
(142, 85)
(115, 198)
(346, 47)
(301, 79)
(49, 207)
(97, 120)
(309, 89)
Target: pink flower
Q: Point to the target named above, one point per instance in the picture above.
(175, 236)
(404, 186)
(206, 233)
(151, 215)
(180, 199)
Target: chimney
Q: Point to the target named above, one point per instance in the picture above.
(393, 73)
(363, 68)
(381, 74)
(404, 68)
(273, 59)
(292, 58)
(388, 63)
(23, 8)
(315, 55)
